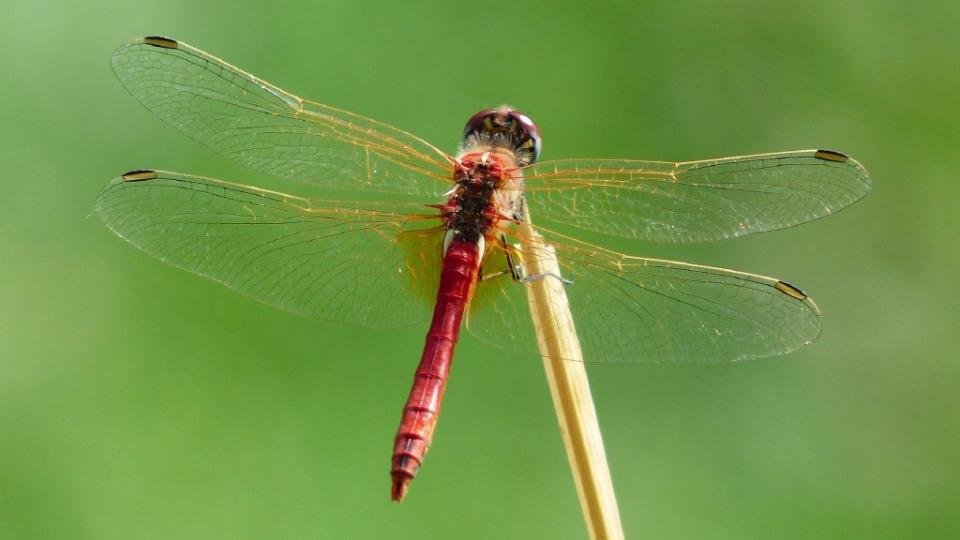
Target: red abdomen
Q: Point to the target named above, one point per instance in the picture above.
(460, 267)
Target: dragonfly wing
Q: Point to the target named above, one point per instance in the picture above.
(259, 126)
(637, 310)
(498, 313)
(696, 201)
(371, 264)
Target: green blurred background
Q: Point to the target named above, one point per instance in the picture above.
(139, 401)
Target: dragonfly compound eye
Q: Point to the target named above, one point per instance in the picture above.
(504, 128)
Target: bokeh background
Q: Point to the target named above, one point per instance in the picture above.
(139, 401)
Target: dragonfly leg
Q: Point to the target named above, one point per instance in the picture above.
(513, 267)
(516, 268)
(562, 279)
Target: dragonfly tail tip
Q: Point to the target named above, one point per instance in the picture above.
(399, 488)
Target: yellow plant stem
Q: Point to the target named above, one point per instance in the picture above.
(569, 386)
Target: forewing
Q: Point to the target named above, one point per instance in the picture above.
(695, 201)
(636, 310)
(259, 126)
(371, 264)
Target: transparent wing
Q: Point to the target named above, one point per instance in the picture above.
(259, 126)
(695, 201)
(371, 264)
(635, 310)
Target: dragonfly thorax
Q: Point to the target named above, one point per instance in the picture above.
(488, 190)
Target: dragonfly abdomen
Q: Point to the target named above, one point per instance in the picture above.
(459, 275)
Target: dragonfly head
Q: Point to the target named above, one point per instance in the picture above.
(503, 128)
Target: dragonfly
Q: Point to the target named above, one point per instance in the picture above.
(441, 239)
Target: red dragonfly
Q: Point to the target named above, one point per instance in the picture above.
(447, 240)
